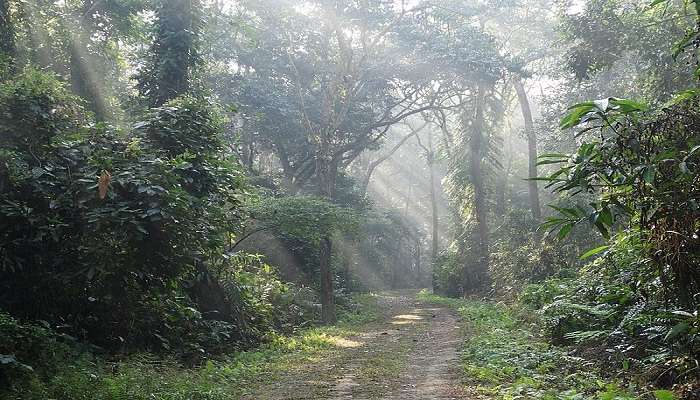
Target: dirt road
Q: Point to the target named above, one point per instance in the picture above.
(410, 354)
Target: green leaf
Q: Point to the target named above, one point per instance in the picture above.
(605, 216)
(592, 252)
(664, 395)
(681, 45)
(552, 161)
(572, 212)
(649, 174)
(693, 150)
(551, 155)
(678, 329)
(576, 115)
(627, 105)
(564, 231)
(682, 96)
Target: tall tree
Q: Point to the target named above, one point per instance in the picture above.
(429, 152)
(477, 276)
(531, 136)
(174, 53)
(7, 32)
(84, 78)
(335, 94)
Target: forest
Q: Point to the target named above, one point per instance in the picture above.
(349, 199)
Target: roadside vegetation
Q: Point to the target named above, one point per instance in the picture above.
(70, 372)
(507, 355)
(197, 196)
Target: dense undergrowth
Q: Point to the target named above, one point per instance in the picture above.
(506, 356)
(69, 372)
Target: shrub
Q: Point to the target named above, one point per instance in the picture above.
(27, 352)
(100, 227)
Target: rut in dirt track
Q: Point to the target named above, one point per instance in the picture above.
(431, 372)
(411, 354)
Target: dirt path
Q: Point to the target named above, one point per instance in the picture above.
(411, 354)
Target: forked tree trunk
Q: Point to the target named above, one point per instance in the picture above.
(531, 148)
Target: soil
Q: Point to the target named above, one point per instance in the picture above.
(410, 354)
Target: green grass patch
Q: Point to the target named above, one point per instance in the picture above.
(147, 377)
(505, 359)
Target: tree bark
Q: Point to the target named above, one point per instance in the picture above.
(531, 148)
(477, 277)
(326, 171)
(417, 261)
(7, 33)
(327, 301)
(430, 161)
(433, 199)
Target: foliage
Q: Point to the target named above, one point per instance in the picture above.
(506, 358)
(389, 247)
(145, 376)
(617, 310)
(99, 227)
(447, 273)
(305, 217)
(643, 169)
(27, 349)
(175, 52)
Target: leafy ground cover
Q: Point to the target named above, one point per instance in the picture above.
(143, 376)
(503, 357)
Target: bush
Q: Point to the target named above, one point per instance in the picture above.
(617, 309)
(98, 227)
(27, 352)
(447, 274)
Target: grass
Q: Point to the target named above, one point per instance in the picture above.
(146, 377)
(505, 359)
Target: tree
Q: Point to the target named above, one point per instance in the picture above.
(174, 53)
(429, 152)
(476, 132)
(84, 78)
(337, 93)
(531, 136)
(372, 166)
(7, 33)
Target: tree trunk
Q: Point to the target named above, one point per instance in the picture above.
(417, 261)
(7, 34)
(531, 148)
(374, 164)
(175, 51)
(326, 171)
(327, 300)
(478, 276)
(433, 199)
